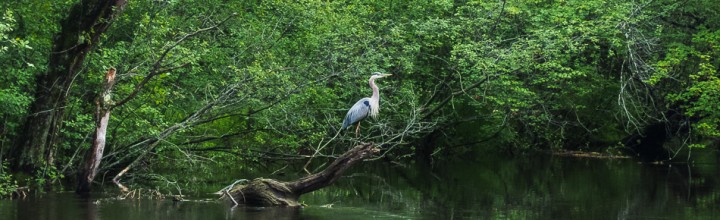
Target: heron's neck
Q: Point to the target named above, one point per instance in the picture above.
(374, 99)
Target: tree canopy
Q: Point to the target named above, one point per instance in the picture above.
(250, 81)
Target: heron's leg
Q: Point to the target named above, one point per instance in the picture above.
(357, 130)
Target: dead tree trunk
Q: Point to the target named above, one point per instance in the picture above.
(269, 192)
(102, 116)
(80, 32)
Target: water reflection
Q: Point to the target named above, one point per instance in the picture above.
(532, 187)
(538, 187)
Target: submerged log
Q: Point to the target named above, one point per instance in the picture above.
(269, 192)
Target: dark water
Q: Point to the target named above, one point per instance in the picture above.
(531, 187)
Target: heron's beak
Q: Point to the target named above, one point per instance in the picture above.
(384, 75)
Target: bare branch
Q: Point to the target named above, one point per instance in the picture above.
(145, 80)
(157, 67)
(448, 98)
(189, 121)
(157, 63)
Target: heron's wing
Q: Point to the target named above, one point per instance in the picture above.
(357, 112)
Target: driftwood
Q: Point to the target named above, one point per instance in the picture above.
(269, 192)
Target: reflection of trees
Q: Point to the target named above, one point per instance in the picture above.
(538, 187)
(530, 186)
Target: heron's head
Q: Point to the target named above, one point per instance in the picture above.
(379, 75)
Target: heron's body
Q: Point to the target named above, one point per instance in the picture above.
(365, 106)
(357, 112)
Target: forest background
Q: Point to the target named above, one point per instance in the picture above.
(204, 86)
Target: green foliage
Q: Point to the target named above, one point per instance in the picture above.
(483, 75)
(699, 92)
(7, 184)
(13, 97)
(26, 30)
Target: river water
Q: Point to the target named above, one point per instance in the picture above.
(490, 187)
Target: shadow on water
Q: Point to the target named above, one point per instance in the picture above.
(529, 187)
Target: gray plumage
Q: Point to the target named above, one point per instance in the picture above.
(365, 106)
(357, 112)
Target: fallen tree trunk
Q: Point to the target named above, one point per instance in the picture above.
(269, 192)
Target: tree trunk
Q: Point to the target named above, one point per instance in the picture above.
(80, 31)
(268, 192)
(102, 114)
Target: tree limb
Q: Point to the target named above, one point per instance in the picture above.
(447, 99)
(269, 192)
(157, 67)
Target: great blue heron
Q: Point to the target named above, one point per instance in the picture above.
(365, 106)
